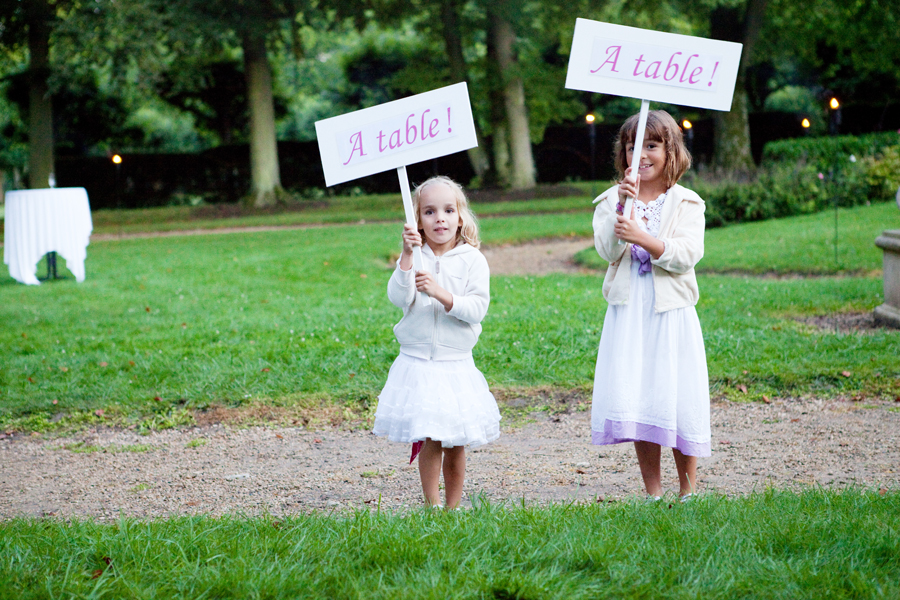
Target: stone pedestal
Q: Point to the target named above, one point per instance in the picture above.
(889, 312)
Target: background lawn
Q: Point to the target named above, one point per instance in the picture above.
(165, 324)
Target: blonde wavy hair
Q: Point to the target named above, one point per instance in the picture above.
(468, 224)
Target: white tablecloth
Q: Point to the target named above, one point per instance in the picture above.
(41, 221)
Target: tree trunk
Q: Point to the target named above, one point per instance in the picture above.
(478, 156)
(265, 179)
(732, 129)
(40, 103)
(522, 171)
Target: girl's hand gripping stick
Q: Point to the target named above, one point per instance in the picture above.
(418, 265)
(636, 154)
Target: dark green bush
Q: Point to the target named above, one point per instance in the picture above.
(803, 176)
(824, 152)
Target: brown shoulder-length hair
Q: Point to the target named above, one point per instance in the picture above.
(661, 127)
(468, 224)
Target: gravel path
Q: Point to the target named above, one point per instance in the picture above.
(217, 469)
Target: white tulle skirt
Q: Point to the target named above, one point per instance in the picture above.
(446, 400)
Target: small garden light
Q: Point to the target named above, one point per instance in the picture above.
(834, 104)
(116, 159)
(589, 119)
(805, 123)
(686, 124)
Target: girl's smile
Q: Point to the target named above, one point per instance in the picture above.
(439, 218)
(652, 164)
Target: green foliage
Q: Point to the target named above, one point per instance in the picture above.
(883, 171)
(825, 152)
(803, 176)
(773, 544)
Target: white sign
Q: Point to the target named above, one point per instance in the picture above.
(651, 65)
(396, 134)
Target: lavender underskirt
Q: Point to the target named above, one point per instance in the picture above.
(616, 432)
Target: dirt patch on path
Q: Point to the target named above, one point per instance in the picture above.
(538, 258)
(216, 469)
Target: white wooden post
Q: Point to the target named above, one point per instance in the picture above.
(636, 155)
(418, 265)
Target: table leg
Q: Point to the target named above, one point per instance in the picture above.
(51, 267)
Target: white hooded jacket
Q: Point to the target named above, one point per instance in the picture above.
(431, 332)
(681, 229)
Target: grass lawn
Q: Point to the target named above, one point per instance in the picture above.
(802, 245)
(162, 325)
(815, 544)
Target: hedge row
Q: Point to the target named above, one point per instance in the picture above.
(803, 176)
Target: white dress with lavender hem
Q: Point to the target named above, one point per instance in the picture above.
(651, 383)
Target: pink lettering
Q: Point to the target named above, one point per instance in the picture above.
(413, 128)
(713, 76)
(422, 126)
(655, 74)
(381, 147)
(433, 126)
(669, 66)
(684, 72)
(611, 59)
(638, 65)
(391, 140)
(696, 72)
(356, 140)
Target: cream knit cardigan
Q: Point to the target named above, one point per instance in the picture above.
(681, 230)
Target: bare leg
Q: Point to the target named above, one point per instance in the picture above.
(454, 475)
(687, 472)
(648, 455)
(430, 471)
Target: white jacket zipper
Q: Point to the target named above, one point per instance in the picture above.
(437, 270)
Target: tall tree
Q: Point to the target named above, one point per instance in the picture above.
(742, 24)
(30, 24)
(513, 158)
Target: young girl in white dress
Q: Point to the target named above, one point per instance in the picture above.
(435, 397)
(651, 385)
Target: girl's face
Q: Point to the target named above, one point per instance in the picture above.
(439, 217)
(653, 160)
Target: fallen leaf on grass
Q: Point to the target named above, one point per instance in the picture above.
(882, 491)
(131, 362)
(31, 380)
(104, 364)
(157, 398)
(279, 436)
(897, 399)
(64, 369)
(25, 335)
(581, 472)
(766, 399)
(363, 276)
(724, 442)
(795, 420)
(99, 412)
(846, 373)
(147, 308)
(742, 387)
(96, 573)
(266, 370)
(317, 441)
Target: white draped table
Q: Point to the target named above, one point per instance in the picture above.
(42, 221)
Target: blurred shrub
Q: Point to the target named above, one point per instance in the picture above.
(802, 176)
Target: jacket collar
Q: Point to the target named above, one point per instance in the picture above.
(463, 248)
